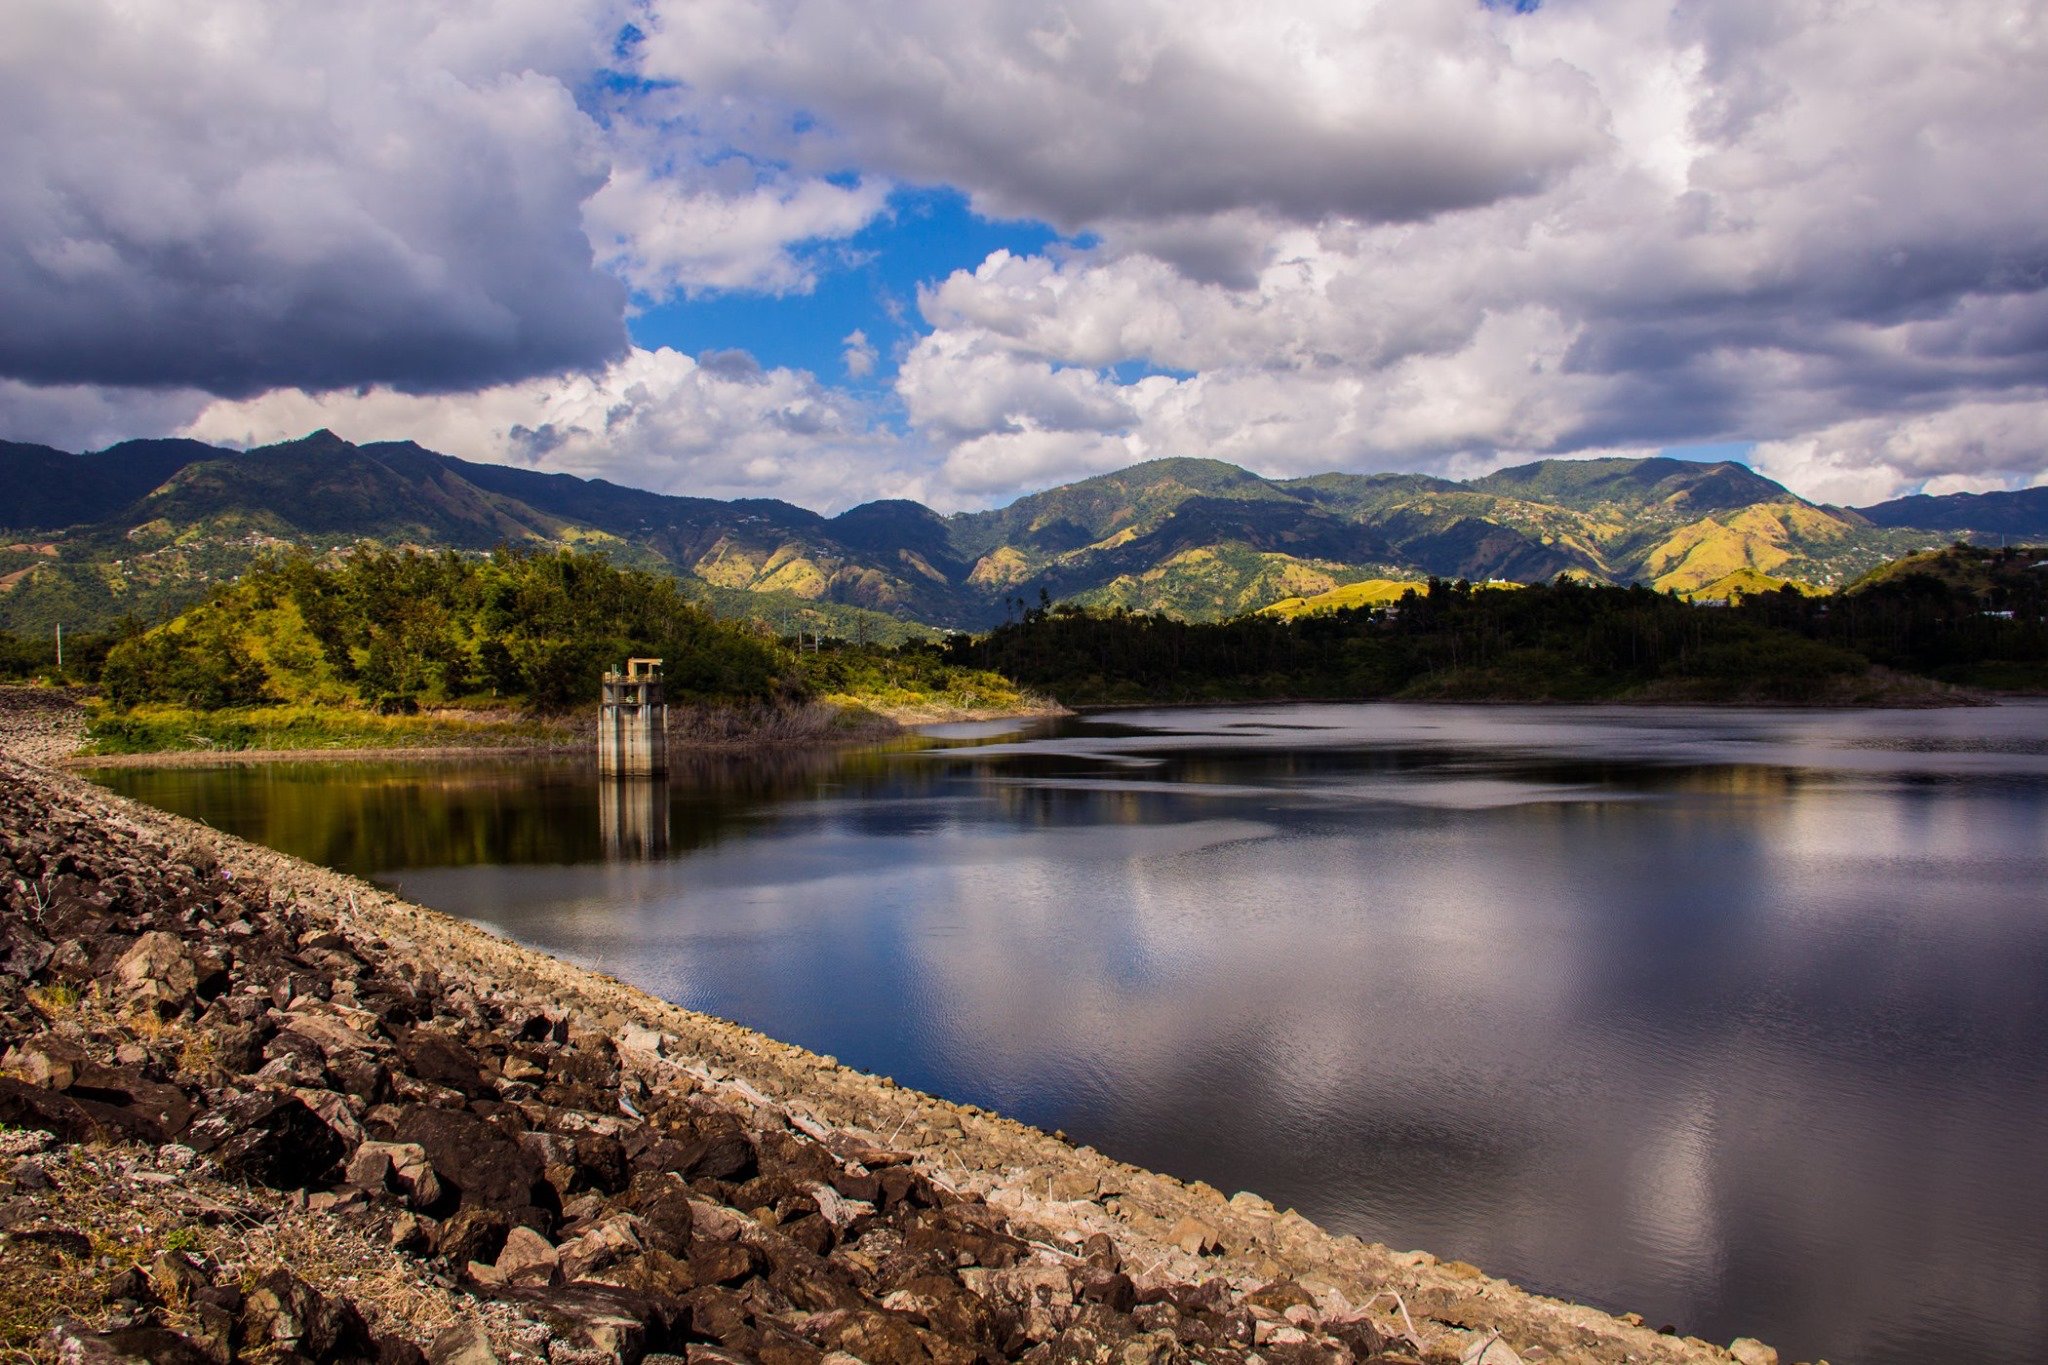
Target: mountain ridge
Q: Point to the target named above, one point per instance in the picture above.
(129, 529)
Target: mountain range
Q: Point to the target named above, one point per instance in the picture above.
(143, 527)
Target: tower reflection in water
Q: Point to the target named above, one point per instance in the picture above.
(632, 817)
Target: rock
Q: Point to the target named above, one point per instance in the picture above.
(271, 1138)
(157, 971)
(284, 1314)
(471, 1235)
(527, 1258)
(609, 1242)
(638, 1045)
(1069, 1186)
(65, 1242)
(156, 1104)
(23, 952)
(1488, 1349)
(48, 1061)
(601, 1317)
(79, 1345)
(476, 1162)
(334, 1112)
(399, 1166)
(1195, 1237)
(74, 1119)
(1750, 1351)
(463, 1344)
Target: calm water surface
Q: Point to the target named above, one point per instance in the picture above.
(1735, 1019)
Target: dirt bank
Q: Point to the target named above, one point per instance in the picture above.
(319, 1122)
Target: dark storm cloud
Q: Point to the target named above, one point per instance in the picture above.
(1112, 111)
(234, 197)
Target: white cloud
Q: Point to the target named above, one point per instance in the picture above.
(860, 356)
(686, 233)
(1969, 448)
(1390, 234)
(1759, 250)
(717, 426)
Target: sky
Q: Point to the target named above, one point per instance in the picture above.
(954, 250)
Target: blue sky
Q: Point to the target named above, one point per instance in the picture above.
(866, 283)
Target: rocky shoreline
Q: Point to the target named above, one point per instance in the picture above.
(256, 1110)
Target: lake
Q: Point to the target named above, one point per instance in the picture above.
(1737, 1019)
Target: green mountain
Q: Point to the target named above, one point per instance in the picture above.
(142, 529)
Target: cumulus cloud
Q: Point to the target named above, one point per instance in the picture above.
(734, 226)
(234, 194)
(1759, 250)
(718, 426)
(1143, 110)
(1969, 448)
(1392, 234)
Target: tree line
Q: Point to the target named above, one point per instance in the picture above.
(1564, 640)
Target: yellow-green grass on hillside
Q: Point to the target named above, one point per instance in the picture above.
(1216, 582)
(1748, 583)
(1765, 539)
(1373, 592)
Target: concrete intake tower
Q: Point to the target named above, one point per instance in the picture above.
(632, 722)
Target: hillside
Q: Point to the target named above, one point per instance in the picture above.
(2018, 515)
(145, 528)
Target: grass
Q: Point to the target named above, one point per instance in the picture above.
(967, 690)
(1373, 592)
(165, 729)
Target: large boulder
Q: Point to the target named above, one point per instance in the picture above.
(271, 1138)
(156, 970)
(478, 1163)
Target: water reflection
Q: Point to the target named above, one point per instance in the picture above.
(632, 817)
(1739, 1020)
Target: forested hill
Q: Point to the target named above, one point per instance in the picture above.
(142, 529)
(1966, 617)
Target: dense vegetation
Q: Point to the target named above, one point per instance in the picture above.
(380, 648)
(300, 651)
(1563, 640)
(35, 656)
(396, 631)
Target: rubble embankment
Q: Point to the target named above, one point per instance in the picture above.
(251, 1109)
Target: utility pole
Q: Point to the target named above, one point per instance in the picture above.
(60, 646)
